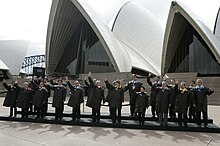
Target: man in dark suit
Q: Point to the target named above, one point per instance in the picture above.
(133, 86)
(201, 92)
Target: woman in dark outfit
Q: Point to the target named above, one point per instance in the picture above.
(142, 103)
(115, 99)
(11, 97)
(76, 98)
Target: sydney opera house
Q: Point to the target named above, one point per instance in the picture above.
(79, 41)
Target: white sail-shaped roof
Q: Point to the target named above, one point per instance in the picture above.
(171, 39)
(217, 25)
(3, 66)
(114, 49)
(141, 35)
(127, 49)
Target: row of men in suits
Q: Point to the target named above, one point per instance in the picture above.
(163, 98)
(188, 102)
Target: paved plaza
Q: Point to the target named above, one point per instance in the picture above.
(31, 134)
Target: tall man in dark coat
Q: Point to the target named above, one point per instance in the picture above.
(36, 81)
(173, 88)
(153, 94)
(115, 99)
(133, 86)
(11, 97)
(142, 103)
(59, 97)
(47, 86)
(201, 93)
(95, 98)
(39, 99)
(162, 103)
(76, 98)
(192, 109)
(182, 103)
(24, 97)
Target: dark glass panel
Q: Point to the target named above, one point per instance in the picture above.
(84, 52)
(193, 55)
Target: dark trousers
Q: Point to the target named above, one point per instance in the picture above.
(24, 112)
(132, 109)
(76, 113)
(40, 112)
(141, 117)
(205, 118)
(172, 113)
(58, 113)
(114, 114)
(45, 108)
(13, 108)
(162, 117)
(95, 115)
(153, 109)
(31, 107)
(182, 118)
(192, 112)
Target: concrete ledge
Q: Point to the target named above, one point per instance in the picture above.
(123, 117)
(128, 124)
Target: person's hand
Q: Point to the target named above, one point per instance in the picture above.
(177, 82)
(106, 79)
(211, 89)
(194, 105)
(149, 75)
(4, 81)
(85, 78)
(90, 73)
(16, 82)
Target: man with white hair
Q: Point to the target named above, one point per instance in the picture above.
(59, 97)
(182, 103)
(201, 101)
(162, 103)
(24, 97)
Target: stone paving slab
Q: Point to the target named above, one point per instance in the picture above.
(14, 133)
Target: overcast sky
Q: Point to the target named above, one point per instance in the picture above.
(28, 19)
